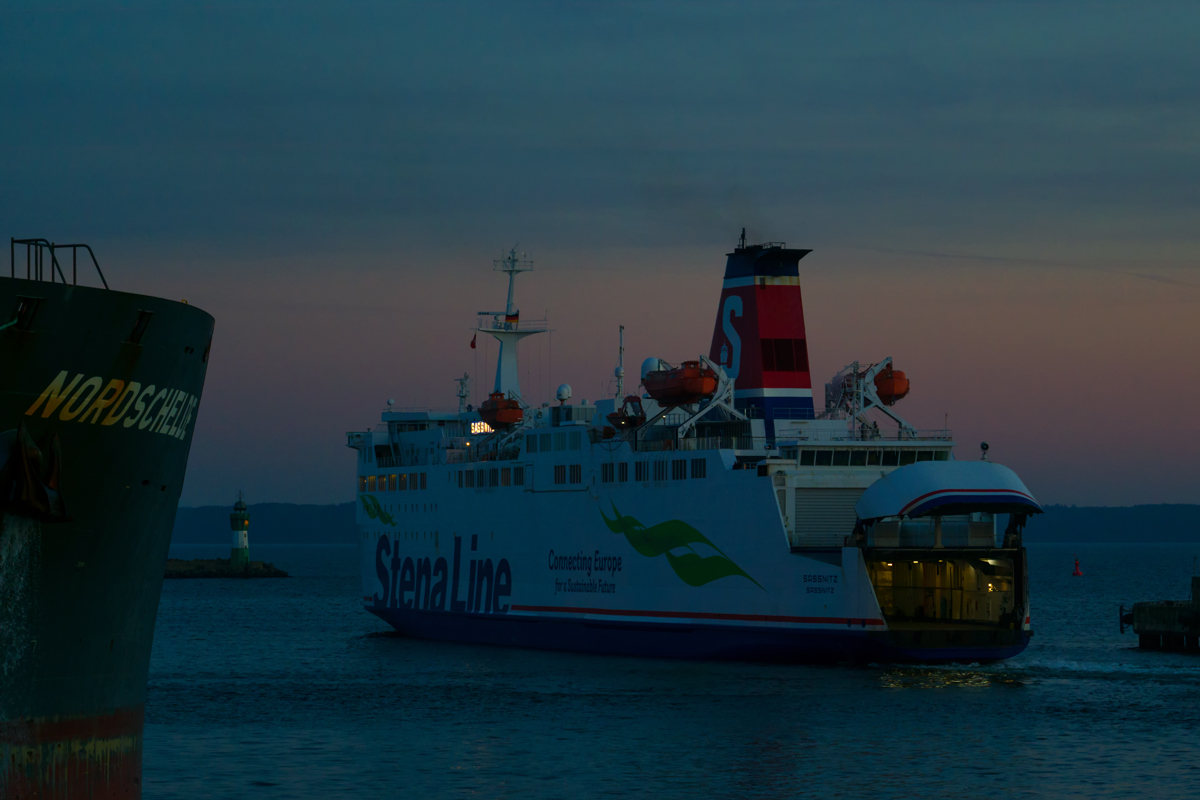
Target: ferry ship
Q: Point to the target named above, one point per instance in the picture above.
(97, 407)
(713, 513)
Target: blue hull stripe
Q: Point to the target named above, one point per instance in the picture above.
(675, 640)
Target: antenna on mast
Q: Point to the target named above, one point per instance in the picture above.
(620, 370)
(464, 391)
(742, 241)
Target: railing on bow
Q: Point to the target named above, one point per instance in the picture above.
(37, 265)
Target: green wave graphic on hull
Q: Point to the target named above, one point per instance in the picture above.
(374, 510)
(691, 567)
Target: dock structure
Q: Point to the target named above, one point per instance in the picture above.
(1167, 624)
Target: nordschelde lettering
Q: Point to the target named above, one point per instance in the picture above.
(167, 411)
(425, 579)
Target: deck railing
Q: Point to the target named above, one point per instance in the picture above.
(37, 266)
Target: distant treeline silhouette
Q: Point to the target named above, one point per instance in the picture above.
(290, 523)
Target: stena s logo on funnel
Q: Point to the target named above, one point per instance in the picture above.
(731, 360)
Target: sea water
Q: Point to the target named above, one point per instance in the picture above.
(288, 688)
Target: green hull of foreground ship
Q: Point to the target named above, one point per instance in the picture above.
(97, 409)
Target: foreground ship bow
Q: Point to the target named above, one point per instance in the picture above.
(719, 515)
(99, 396)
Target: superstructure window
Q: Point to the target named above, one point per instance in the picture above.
(623, 472)
(575, 440)
(481, 478)
(362, 483)
(824, 458)
(422, 480)
(924, 455)
(545, 442)
(560, 474)
(393, 480)
(641, 470)
(506, 476)
(699, 468)
(576, 473)
(660, 470)
(531, 443)
(370, 483)
(493, 477)
(679, 469)
(518, 476)
(841, 458)
(560, 442)
(460, 479)
(941, 455)
(858, 458)
(907, 457)
(872, 458)
(606, 473)
(806, 458)
(469, 476)
(402, 482)
(891, 458)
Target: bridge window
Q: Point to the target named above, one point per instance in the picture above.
(890, 458)
(907, 457)
(841, 458)
(941, 455)
(872, 458)
(824, 458)
(806, 457)
(924, 455)
(858, 458)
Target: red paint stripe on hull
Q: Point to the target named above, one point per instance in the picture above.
(610, 612)
(97, 758)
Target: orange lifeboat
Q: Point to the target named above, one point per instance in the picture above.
(891, 385)
(630, 415)
(682, 385)
(500, 413)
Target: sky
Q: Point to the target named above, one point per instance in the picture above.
(1004, 197)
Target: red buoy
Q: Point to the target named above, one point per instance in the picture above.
(1077, 571)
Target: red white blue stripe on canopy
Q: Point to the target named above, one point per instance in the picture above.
(934, 488)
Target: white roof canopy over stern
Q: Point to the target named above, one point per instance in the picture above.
(936, 488)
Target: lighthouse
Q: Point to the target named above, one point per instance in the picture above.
(239, 523)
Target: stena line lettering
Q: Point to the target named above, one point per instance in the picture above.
(424, 584)
(94, 401)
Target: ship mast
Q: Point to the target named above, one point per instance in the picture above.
(620, 370)
(506, 326)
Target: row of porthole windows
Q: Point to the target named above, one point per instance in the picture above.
(488, 478)
(868, 458)
(395, 482)
(563, 472)
(553, 442)
(680, 469)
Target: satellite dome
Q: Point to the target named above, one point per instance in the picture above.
(651, 365)
(564, 393)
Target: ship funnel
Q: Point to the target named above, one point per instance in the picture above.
(759, 335)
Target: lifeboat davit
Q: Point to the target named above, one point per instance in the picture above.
(891, 385)
(499, 412)
(630, 415)
(680, 386)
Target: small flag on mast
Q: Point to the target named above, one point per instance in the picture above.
(512, 318)
(473, 341)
